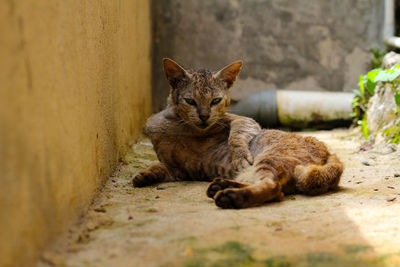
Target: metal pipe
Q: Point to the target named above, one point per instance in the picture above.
(297, 109)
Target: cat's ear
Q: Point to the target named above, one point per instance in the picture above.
(174, 72)
(229, 73)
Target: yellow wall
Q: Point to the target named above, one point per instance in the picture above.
(74, 92)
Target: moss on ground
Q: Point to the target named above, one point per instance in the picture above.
(234, 253)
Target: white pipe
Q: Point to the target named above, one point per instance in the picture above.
(297, 109)
(388, 26)
(302, 106)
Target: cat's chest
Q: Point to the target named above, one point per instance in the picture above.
(181, 148)
(201, 156)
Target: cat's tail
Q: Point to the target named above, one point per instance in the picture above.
(318, 179)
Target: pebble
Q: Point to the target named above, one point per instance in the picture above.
(366, 163)
(53, 259)
(389, 149)
(100, 209)
(188, 252)
(397, 174)
(91, 225)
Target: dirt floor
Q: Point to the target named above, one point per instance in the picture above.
(175, 224)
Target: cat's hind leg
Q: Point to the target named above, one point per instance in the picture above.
(253, 195)
(266, 189)
(318, 179)
(219, 184)
(156, 173)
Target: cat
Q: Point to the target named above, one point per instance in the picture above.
(195, 138)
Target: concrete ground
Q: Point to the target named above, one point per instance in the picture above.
(175, 224)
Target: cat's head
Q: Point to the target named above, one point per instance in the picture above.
(200, 96)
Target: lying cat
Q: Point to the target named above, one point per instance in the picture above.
(196, 139)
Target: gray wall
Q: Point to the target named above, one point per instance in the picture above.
(285, 44)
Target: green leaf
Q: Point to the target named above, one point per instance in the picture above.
(370, 80)
(364, 127)
(355, 101)
(372, 74)
(393, 133)
(361, 84)
(387, 75)
(397, 99)
(396, 67)
(358, 93)
(371, 87)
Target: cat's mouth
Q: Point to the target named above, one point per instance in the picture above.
(202, 125)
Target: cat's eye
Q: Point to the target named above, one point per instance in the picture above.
(190, 101)
(216, 101)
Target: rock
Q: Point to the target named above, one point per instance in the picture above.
(96, 220)
(390, 59)
(54, 259)
(366, 163)
(389, 148)
(391, 199)
(91, 225)
(188, 251)
(381, 108)
(100, 209)
(73, 247)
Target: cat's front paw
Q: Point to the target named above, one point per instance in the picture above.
(219, 184)
(230, 199)
(242, 160)
(143, 178)
(156, 173)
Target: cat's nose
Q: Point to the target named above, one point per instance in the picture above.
(204, 117)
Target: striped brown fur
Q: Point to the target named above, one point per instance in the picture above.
(196, 139)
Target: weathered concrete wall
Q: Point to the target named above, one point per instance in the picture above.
(300, 45)
(75, 89)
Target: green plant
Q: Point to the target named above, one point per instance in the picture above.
(391, 76)
(376, 57)
(364, 126)
(393, 133)
(367, 85)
